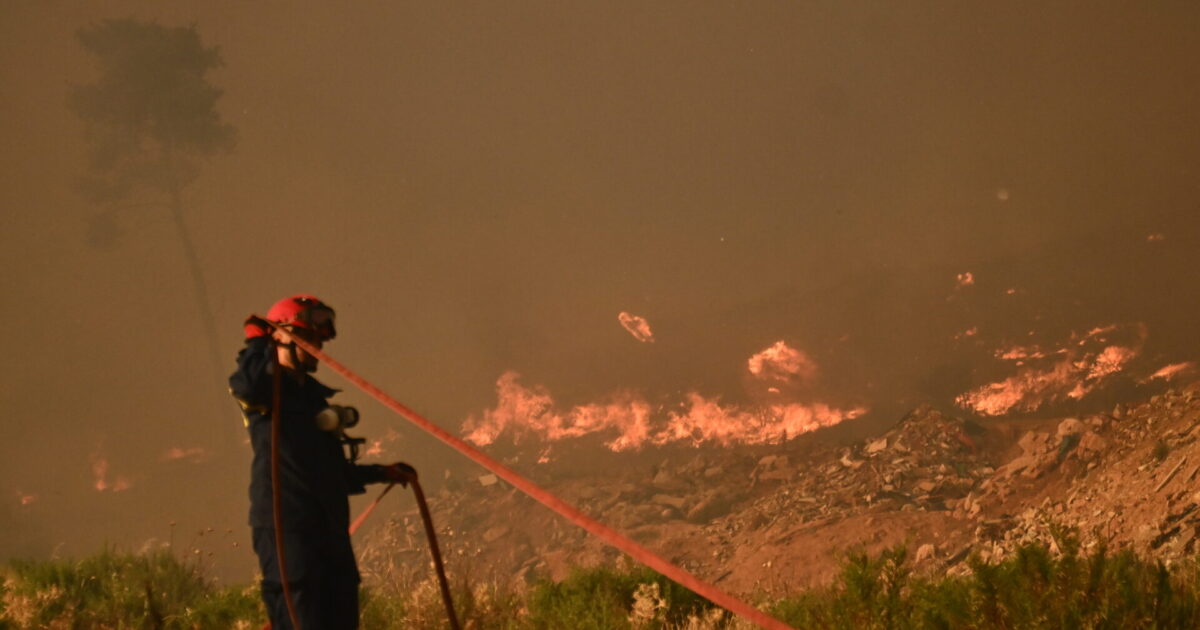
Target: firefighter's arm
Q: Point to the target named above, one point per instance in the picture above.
(398, 472)
(251, 383)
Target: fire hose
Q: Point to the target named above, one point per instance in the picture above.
(430, 533)
(276, 502)
(277, 516)
(605, 533)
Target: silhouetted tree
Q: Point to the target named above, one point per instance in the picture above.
(149, 119)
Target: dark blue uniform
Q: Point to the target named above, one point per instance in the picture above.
(315, 480)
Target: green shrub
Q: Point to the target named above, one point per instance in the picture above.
(1033, 588)
(121, 590)
(1038, 586)
(603, 599)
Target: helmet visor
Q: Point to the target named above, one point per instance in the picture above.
(319, 319)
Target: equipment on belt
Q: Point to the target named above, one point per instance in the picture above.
(337, 417)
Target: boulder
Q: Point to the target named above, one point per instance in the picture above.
(1070, 426)
(711, 506)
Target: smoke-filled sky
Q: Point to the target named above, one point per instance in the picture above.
(484, 187)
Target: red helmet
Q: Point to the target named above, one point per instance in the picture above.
(304, 311)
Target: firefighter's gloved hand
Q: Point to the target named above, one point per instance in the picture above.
(400, 473)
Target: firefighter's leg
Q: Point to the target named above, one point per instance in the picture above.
(301, 579)
(339, 582)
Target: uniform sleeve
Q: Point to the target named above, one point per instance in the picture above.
(251, 382)
(363, 474)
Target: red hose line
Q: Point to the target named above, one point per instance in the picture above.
(276, 503)
(443, 583)
(430, 533)
(570, 512)
(362, 518)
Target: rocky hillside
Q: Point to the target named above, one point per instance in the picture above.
(776, 518)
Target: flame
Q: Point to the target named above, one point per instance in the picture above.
(522, 412)
(194, 455)
(100, 473)
(1169, 372)
(1023, 353)
(970, 332)
(1098, 332)
(1157, 237)
(782, 363)
(637, 326)
(376, 448)
(965, 279)
(1109, 362)
(1071, 371)
(531, 410)
(26, 499)
(100, 480)
(706, 420)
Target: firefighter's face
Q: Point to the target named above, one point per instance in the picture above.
(307, 361)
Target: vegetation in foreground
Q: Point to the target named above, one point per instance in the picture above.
(1035, 588)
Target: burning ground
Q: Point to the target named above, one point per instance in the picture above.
(760, 495)
(779, 516)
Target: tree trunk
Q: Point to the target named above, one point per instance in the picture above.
(220, 385)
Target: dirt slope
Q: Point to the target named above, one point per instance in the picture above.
(778, 518)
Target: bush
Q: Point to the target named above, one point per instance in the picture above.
(414, 604)
(122, 590)
(1039, 586)
(603, 599)
(1034, 588)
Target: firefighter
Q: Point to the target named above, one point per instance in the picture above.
(316, 474)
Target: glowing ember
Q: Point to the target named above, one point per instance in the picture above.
(1068, 372)
(782, 363)
(966, 279)
(1156, 237)
(970, 332)
(193, 455)
(523, 412)
(101, 480)
(637, 326)
(1169, 372)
